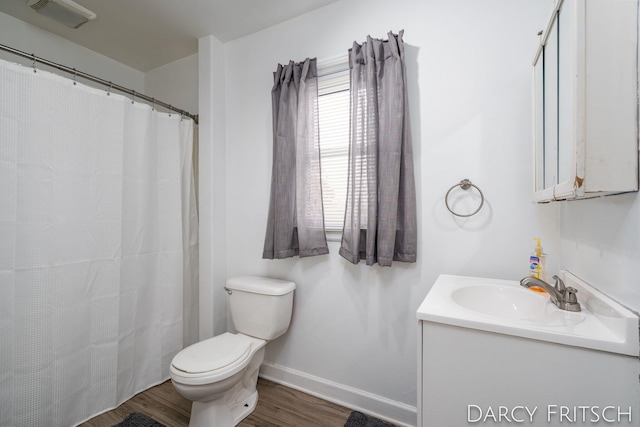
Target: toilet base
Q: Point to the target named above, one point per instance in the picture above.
(221, 413)
(235, 405)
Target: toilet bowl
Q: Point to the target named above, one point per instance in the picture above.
(219, 375)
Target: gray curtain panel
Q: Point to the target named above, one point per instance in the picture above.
(295, 224)
(380, 217)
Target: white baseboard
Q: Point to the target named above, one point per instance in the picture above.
(388, 410)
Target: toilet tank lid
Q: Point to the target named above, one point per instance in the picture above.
(261, 285)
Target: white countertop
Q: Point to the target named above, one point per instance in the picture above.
(603, 324)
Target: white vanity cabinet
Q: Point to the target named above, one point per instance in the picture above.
(585, 109)
(492, 353)
(472, 377)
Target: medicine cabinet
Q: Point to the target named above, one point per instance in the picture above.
(585, 109)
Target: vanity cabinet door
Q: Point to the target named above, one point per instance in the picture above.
(585, 101)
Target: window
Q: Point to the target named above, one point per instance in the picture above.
(333, 121)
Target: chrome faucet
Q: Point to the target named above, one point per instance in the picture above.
(564, 297)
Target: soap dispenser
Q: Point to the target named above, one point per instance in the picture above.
(537, 261)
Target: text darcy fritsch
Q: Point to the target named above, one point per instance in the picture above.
(551, 413)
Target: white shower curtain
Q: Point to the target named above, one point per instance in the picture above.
(98, 234)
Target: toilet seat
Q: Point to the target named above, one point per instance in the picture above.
(212, 360)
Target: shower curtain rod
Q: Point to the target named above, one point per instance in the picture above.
(98, 80)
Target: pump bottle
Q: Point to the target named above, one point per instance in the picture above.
(537, 261)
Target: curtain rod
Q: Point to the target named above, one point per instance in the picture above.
(98, 80)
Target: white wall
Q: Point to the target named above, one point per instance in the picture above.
(213, 190)
(175, 83)
(600, 243)
(469, 71)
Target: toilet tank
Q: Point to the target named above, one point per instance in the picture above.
(260, 306)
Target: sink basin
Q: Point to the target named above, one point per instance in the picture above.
(505, 307)
(512, 304)
(501, 301)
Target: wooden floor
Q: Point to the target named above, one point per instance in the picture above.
(278, 406)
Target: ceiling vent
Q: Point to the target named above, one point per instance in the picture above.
(67, 12)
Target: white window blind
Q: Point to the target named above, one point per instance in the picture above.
(333, 108)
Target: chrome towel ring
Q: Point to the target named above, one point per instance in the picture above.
(465, 184)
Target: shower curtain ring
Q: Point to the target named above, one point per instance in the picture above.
(153, 104)
(33, 64)
(109, 89)
(75, 75)
(133, 96)
(170, 109)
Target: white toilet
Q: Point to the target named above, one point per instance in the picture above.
(220, 374)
